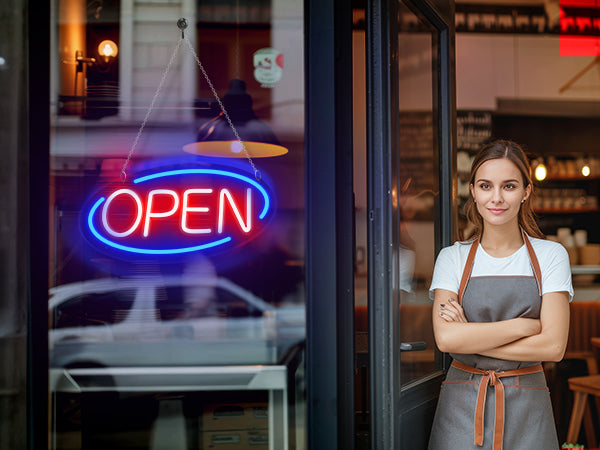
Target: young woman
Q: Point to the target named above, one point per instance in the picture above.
(501, 307)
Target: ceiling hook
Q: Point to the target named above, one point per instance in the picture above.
(182, 25)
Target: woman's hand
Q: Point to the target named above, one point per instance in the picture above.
(451, 311)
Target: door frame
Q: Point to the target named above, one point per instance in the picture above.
(37, 126)
(329, 263)
(397, 409)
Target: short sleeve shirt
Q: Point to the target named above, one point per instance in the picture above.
(552, 256)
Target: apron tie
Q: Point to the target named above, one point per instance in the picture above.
(492, 378)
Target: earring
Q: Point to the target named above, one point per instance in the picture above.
(523, 201)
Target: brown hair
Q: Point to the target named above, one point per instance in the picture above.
(515, 154)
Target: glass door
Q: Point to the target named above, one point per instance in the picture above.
(403, 215)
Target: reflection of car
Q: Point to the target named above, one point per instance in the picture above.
(167, 321)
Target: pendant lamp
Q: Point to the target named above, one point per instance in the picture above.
(216, 137)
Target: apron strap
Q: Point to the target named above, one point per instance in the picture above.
(468, 268)
(535, 265)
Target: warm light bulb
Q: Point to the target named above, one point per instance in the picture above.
(540, 172)
(108, 49)
(237, 146)
(585, 171)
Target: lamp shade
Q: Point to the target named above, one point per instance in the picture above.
(216, 137)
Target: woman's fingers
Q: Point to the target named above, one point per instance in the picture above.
(448, 314)
(452, 311)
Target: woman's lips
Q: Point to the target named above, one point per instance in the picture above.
(496, 210)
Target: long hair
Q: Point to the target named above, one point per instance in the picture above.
(515, 154)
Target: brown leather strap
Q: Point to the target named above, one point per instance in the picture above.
(492, 378)
(535, 265)
(467, 271)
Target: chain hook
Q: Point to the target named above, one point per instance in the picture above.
(182, 25)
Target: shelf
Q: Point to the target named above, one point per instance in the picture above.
(585, 270)
(584, 209)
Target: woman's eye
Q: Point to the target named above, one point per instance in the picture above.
(510, 186)
(484, 186)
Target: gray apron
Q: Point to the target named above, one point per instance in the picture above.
(489, 403)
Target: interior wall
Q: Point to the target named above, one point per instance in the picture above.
(489, 66)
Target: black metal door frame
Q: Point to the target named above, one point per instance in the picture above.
(390, 401)
(329, 227)
(35, 199)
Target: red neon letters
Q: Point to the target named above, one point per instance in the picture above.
(148, 211)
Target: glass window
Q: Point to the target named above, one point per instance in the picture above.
(176, 203)
(415, 197)
(418, 188)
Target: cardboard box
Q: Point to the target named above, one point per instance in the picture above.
(235, 440)
(234, 416)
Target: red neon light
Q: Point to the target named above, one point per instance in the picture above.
(163, 205)
(579, 27)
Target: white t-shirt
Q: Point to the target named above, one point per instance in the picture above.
(552, 257)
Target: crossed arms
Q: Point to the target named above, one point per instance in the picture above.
(519, 339)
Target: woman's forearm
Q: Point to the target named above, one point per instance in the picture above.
(532, 348)
(480, 337)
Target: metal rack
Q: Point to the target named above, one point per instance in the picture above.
(184, 379)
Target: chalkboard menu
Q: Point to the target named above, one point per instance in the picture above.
(418, 161)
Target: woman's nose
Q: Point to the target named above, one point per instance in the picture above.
(497, 196)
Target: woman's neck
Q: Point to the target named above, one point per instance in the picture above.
(501, 241)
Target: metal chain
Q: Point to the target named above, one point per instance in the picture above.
(182, 24)
(225, 114)
(160, 85)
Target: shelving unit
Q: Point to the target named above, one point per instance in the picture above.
(565, 131)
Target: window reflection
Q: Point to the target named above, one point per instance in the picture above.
(243, 307)
(417, 186)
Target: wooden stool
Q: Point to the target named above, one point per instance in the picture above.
(581, 387)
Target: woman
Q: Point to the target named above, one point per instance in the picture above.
(501, 307)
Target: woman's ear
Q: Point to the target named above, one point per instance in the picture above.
(527, 193)
(472, 193)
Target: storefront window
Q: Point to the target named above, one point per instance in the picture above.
(177, 307)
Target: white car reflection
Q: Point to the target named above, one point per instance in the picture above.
(167, 321)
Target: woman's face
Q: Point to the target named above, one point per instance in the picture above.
(498, 191)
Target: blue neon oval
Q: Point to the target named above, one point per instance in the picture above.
(224, 173)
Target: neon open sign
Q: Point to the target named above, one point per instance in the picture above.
(178, 211)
